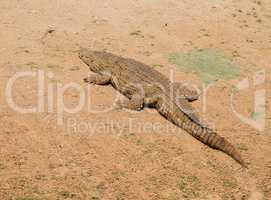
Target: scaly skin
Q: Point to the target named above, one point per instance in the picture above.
(143, 85)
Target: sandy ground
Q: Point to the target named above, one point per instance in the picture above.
(98, 153)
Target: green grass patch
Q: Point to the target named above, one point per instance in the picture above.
(189, 186)
(26, 198)
(242, 147)
(137, 33)
(210, 64)
(230, 183)
(33, 65)
(157, 66)
(95, 198)
(41, 177)
(74, 68)
(54, 66)
(256, 115)
(66, 194)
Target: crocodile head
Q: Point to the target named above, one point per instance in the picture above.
(97, 60)
(91, 58)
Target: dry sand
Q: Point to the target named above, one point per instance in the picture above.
(116, 154)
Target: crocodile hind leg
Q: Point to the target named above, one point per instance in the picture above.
(189, 92)
(98, 79)
(135, 103)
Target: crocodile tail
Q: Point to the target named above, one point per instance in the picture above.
(212, 139)
(198, 130)
(208, 137)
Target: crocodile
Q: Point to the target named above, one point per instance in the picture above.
(144, 86)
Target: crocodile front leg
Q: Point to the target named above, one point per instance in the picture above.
(98, 79)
